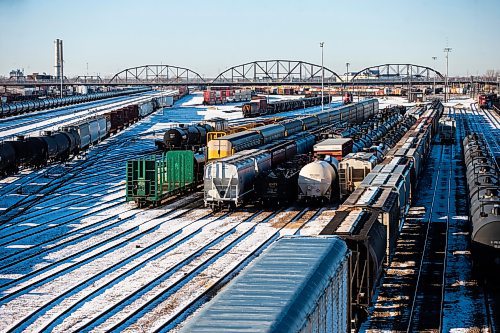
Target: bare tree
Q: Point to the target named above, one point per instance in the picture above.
(490, 73)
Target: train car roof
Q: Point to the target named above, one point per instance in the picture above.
(277, 290)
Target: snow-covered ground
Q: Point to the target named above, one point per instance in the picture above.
(74, 256)
(53, 119)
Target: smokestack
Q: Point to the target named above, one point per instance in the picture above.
(58, 59)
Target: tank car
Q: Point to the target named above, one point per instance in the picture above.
(317, 181)
(7, 158)
(276, 186)
(185, 137)
(483, 182)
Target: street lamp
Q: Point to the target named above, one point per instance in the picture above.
(447, 50)
(434, 84)
(322, 74)
(347, 76)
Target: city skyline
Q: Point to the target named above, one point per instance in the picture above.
(211, 37)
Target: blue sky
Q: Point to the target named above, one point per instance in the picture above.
(209, 36)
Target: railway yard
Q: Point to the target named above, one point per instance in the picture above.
(257, 213)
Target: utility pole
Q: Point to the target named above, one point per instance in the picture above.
(322, 74)
(347, 76)
(434, 84)
(446, 94)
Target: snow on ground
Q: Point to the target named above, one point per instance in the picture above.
(72, 254)
(66, 115)
(81, 258)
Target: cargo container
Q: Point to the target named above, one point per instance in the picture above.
(299, 284)
(337, 148)
(153, 179)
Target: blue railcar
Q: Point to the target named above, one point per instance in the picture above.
(299, 284)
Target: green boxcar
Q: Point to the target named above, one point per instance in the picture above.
(152, 179)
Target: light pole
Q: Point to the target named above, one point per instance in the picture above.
(322, 74)
(434, 84)
(446, 94)
(347, 76)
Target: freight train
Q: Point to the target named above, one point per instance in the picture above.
(11, 109)
(196, 136)
(71, 139)
(343, 163)
(261, 107)
(370, 219)
(483, 181)
(221, 96)
(230, 144)
(229, 181)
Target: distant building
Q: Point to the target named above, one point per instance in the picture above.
(40, 77)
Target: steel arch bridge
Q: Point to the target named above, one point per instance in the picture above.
(276, 71)
(397, 72)
(162, 74)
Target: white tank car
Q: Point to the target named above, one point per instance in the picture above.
(317, 180)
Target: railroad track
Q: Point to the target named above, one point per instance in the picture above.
(411, 293)
(98, 268)
(68, 115)
(486, 288)
(66, 177)
(107, 154)
(491, 292)
(175, 306)
(433, 254)
(167, 263)
(74, 261)
(427, 305)
(488, 126)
